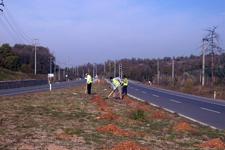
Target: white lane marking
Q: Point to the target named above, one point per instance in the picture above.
(210, 110)
(143, 92)
(175, 101)
(155, 95)
(136, 98)
(194, 120)
(184, 95)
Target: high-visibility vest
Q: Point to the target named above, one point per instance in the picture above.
(125, 82)
(89, 79)
(116, 83)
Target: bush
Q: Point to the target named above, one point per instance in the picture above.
(188, 85)
(138, 115)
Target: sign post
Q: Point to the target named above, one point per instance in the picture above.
(50, 80)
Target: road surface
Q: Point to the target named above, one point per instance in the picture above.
(41, 88)
(202, 110)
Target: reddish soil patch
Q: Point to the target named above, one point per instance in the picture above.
(113, 129)
(183, 127)
(137, 105)
(55, 147)
(159, 115)
(103, 106)
(128, 145)
(60, 135)
(108, 116)
(64, 136)
(128, 101)
(214, 143)
(26, 147)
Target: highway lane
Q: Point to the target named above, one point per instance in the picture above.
(41, 88)
(203, 110)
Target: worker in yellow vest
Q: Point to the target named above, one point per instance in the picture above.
(117, 86)
(125, 85)
(89, 83)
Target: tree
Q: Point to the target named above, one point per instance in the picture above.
(8, 59)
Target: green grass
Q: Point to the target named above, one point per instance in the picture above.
(138, 115)
(6, 74)
(11, 75)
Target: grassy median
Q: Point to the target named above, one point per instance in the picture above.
(70, 119)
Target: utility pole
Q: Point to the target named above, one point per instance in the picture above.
(173, 70)
(93, 70)
(158, 72)
(76, 72)
(96, 71)
(204, 40)
(104, 69)
(59, 74)
(35, 56)
(64, 73)
(114, 69)
(50, 65)
(211, 39)
(110, 69)
(120, 71)
(82, 71)
(55, 71)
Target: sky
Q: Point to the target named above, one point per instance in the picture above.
(81, 31)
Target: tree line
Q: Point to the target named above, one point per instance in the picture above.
(186, 68)
(20, 57)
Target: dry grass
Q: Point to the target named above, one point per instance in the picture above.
(69, 119)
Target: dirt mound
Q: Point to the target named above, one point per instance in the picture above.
(128, 145)
(183, 127)
(103, 106)
(159, 115)
(108, 116)
(113, 129)
(214, 143)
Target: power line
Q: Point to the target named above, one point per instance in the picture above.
(11, 24)
(7, 30)
(17, 26)
(13, 28)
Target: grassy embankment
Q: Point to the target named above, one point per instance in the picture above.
(69, 119)
(12, 75)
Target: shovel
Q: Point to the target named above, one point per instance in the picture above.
(110, 94)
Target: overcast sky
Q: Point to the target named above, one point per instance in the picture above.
(81, 31)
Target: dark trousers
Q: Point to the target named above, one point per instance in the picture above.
(89, 88)
(124, 92)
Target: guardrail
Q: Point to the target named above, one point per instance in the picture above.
(21, 83)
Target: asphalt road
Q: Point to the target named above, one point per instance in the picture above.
(41, 88)
(199, 109)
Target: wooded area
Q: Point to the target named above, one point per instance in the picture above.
(20, 57)
(186, 68)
